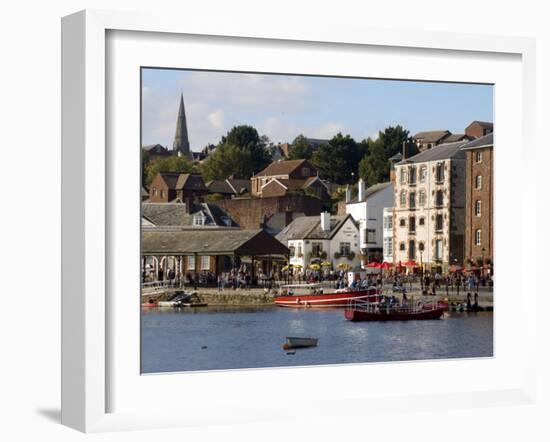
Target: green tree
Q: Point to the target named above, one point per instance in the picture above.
(300, 149)
(247, 139)
(170, 164)
(374, 167)
(144, 163)
(228, 160)
(337, 160)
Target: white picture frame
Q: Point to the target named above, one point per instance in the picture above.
(87, 213)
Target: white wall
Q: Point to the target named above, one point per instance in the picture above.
(30, 80)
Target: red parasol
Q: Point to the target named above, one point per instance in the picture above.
(374, 265)
(411, 263)
(386, 265)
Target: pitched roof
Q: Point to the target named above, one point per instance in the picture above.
(239, 185)
(175, 214)
(155, 147)
(219, 186)
(484, 124)
(309, 227)
(370, 191)
(441, 152)
(210, 242)
(457, 137)
(484, 141)
(181, 181)
(431, 136)
(281, 168)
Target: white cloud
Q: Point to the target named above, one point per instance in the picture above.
(328, 130)
(216, 119)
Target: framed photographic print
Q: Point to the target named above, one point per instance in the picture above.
(252, 212)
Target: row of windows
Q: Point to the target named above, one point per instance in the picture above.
(204, 263)
(409, 174)
(421, 222)
(439, 198)
(411, 247)
(317, 249)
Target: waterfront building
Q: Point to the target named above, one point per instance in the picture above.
(229, 188)
(367, 209)
(190, 252)
(323, 238)
(271, 213)
(387, 235)
(429, 201)
(479, 200)
(177, 187)
(197, 215)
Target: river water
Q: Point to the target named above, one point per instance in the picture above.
(210, 338)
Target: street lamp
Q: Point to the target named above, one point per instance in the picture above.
(483, 262)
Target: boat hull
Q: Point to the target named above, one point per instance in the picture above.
(292, 343)
(360, 315)
(326, 299)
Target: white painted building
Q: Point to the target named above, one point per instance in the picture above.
(429, 207)
(324, 238)
(387, 236)
(367, 209)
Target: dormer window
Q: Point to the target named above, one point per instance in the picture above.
(199, 219)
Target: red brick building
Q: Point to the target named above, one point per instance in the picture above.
(173, 186)
(477, 129)
(479, 200)
(282, 170)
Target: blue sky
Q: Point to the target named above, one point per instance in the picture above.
(284, 106)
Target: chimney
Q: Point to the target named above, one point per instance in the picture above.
(404, 150)
(348, 194)
(361, 190)
(325, 221)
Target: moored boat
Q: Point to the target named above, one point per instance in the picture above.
(313, 295)
(375, 311)
(296, 342)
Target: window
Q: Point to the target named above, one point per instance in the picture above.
(439, 223)
(370, 235)
(205, 262)
(316, 248)
(479, 157)
(412, 200)
(403, 175)
(478, 237)
(345, 248)
(292, 250)
(439, 249)
(421, 246)
(190, 263)
(478, 182)
(439, 198)
(423, 173)
(412, 175)
(478, 208)
(199, 219)
(402, 246)
(421, 221)
(402, 222)
(422, 198)
(299, 251)
(388, 246)
(154, 191)
(403, 199)
(439, 172)
(162, 193)
(412, 224)
(412, 251)
(388, 222)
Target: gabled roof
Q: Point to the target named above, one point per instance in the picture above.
(239, 185)
(431, 136)
(484, 141)
(175, 214)
(372, 190)
(484, 124)
(183, 181)
(155, 148)
(210, 242)
(441, 152)
(281, 167)
(457, 137)
(309, 227)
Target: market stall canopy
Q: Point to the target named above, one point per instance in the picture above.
(386, 265)
(373, 264)
(213, 242)
(410, 263)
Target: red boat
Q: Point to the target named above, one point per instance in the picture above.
(374, 311)
(313, 295)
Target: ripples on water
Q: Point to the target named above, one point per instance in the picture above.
(253, 337)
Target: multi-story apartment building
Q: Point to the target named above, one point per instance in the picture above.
(367, 209)
(429, 205)
(479, 200)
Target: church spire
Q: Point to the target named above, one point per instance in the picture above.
(181, 139)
